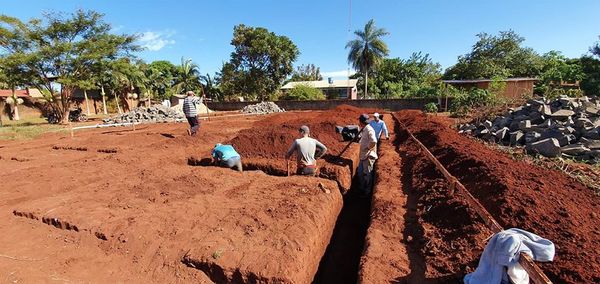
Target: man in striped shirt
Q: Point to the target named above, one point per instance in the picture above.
(191, 112)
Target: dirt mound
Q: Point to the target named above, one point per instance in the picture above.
(518, 194)
(264, 145)
(271, 137)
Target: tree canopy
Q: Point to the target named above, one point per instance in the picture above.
(303, 92)
(496, 55)
(308, 72)
(259, 64)
(417, 76)
(61, 48)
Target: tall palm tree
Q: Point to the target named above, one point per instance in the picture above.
(188, 76)
(367, 49)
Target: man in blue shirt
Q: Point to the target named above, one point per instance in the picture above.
(379, 127)
(226, 156)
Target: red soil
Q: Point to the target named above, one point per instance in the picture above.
(518, 194)
(265, 144)
(138, 213)
(419, 233)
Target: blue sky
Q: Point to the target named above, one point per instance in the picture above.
(202, 30)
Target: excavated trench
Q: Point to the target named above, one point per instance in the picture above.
(412, 230)
(340, 261)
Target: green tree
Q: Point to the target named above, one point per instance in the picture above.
(500, 55)
(187, 77)
(61, 49)
(211, 88)
(161, 76)
(13, 75)
(367, 50)
(556, 68)
(308, 72)
(417, 76)
(302, 92)
(595, 49)
(259, 64)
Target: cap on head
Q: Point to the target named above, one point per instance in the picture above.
(190, 93)
(218, 144)
(304, 129)
(363, 118)
(376, 115)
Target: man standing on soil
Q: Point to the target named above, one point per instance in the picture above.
(379, 127)
(368, 154)
(308, 150)
(191, 111)
(226, 156)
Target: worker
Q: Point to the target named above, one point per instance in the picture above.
(226, 156)
(367, 154)
(308, 150)
(379, 127)
(191, 111)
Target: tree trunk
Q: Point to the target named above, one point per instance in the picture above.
(366, 82)
(104, 101)
(118, 105)
(64, 99)
(16, 116)
(16, 103)
(87, 102)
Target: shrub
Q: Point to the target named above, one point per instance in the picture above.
(464, 102)
(430, 108)
(303, 93)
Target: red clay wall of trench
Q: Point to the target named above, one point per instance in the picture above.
(419, 231)
(518, 194)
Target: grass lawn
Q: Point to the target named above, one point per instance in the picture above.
(33, 126)
(27, 128)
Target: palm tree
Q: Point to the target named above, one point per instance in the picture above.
(367, 50)
(188, 76)
(211, 88)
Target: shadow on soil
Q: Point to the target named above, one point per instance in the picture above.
(341, 261)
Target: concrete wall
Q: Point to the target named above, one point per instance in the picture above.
(391, 104)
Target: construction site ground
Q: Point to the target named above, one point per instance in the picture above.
(144, 205)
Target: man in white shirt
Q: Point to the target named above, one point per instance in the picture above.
(367, 154)
(379, 127)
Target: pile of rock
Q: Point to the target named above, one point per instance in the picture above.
(262, 108)
(566, 126)
(152, 114)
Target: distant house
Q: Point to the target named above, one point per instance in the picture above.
(25, 93)
(515, 87)
(333, 89)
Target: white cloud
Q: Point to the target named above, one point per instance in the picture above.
(155, 41)
(338, 74)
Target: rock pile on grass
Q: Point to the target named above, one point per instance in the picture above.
(566, 126)
(153, 114)
(262, 108)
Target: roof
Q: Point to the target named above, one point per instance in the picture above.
(19, 93)
(349, 83)
(471, 81)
